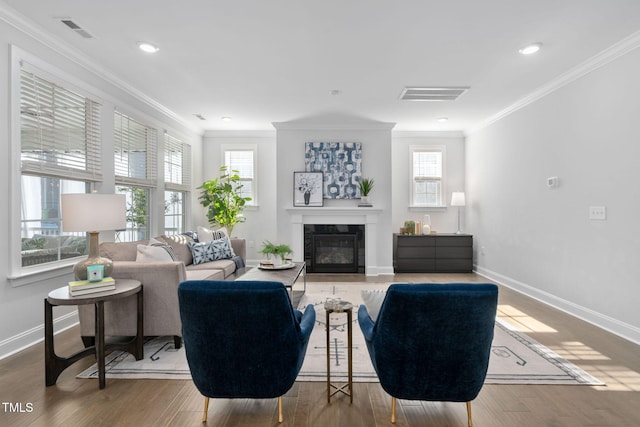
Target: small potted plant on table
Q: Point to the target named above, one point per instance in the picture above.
(276, 254)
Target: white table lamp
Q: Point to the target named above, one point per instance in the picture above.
(92, 213)
(457, 199)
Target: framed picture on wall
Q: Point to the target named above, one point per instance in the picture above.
(307, 189)
(341, 164)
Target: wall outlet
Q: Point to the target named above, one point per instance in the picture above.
(597, 212)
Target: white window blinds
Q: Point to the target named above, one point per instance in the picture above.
(135, 152)
(60, 132)
(177, 164)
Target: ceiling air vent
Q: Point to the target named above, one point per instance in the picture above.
(77, 28)
(432, 93)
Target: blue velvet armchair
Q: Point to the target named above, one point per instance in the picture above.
(242, 339)
(432, 341)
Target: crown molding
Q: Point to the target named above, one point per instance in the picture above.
(608, 55)
(428, 134)
(65, 50)
(347, 125)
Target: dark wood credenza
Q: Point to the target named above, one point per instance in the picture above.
(433, 253)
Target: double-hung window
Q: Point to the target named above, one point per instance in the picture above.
(135, 152)
(177, 183)
(59, 153)
(243, 160)
(427, 176)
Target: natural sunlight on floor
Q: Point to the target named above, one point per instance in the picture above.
(521, 321)
(616, 378)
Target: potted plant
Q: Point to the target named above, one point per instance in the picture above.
(365, 185)
(223, 199)
(278, 252)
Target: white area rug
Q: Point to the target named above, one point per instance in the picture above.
(515, 358)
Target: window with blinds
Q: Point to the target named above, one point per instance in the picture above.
(59, 131)
(243, 161)
(177, 164)
(177, 178)
(135, 152)
(427, 176)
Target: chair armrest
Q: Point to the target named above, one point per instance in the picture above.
(307, 322)
(366, 323)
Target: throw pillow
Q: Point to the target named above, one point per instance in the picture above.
(166, 247)
(210, 251)
(147, 253)
(207, 235)
(373, 301)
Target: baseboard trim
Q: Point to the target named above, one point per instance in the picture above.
(609, 324)
(17, 343)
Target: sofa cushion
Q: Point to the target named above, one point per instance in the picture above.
(124, 251)
(179, 244)
(207, 235)
(227, 266)
(195, 274)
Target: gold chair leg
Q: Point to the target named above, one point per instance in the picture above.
(280, 417)
(206, 409)
(393, 410)
(469, 420)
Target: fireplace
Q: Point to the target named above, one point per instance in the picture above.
(334, 248)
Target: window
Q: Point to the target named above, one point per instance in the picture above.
(243, 161)
(177, 178)
(59, 153)
(427, 176)
(136, 173)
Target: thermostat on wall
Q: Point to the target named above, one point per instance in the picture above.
(552, 181)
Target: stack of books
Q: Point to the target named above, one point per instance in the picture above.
(83, 287)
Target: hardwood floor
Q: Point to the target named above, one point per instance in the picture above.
(75, 402)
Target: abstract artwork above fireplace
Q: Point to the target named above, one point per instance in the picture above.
(341, 164)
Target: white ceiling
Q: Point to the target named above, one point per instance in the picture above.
(278, 60)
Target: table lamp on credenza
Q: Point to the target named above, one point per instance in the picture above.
(92, 213)
(457, 199)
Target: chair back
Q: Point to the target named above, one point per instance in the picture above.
(241, 338)
(433, 341)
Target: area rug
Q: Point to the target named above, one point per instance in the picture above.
(515, 357)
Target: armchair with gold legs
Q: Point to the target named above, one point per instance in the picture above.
(242, 339)
(432, 341)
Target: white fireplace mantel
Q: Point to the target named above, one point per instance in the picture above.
(337, 215)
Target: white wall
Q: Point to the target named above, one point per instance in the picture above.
(541, 240)
(261, 219)
(443, 220)
(376, 154)
(21, 301)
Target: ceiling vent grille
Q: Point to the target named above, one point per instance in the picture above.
(432, 93)
(77, 28)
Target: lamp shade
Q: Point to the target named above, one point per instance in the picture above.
(457, 198)
(93, 212)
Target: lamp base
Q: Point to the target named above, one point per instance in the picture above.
(80, 269)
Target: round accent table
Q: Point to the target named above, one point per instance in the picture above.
(340, 306)
(54, 364)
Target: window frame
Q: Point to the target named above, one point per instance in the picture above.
(183, 188)
(22, 60)
(441, 202)
(253, 148)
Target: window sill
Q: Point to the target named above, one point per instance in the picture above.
(418, 208)
(27, 276)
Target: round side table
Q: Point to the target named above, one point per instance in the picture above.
(54, 364)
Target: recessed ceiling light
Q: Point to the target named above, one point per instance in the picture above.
(529, 49)
(148, 47)
(443, 119)
(226, 119)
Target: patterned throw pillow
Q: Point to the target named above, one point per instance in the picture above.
(210, 251)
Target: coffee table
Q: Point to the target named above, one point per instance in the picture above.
(288, 276)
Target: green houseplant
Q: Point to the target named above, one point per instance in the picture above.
(279, 252)
(365, 185)
(222, 196)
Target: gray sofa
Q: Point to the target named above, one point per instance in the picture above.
(160, 281)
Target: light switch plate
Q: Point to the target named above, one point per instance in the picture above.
(598, 213)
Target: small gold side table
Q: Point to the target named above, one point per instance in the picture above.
(339, 306)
